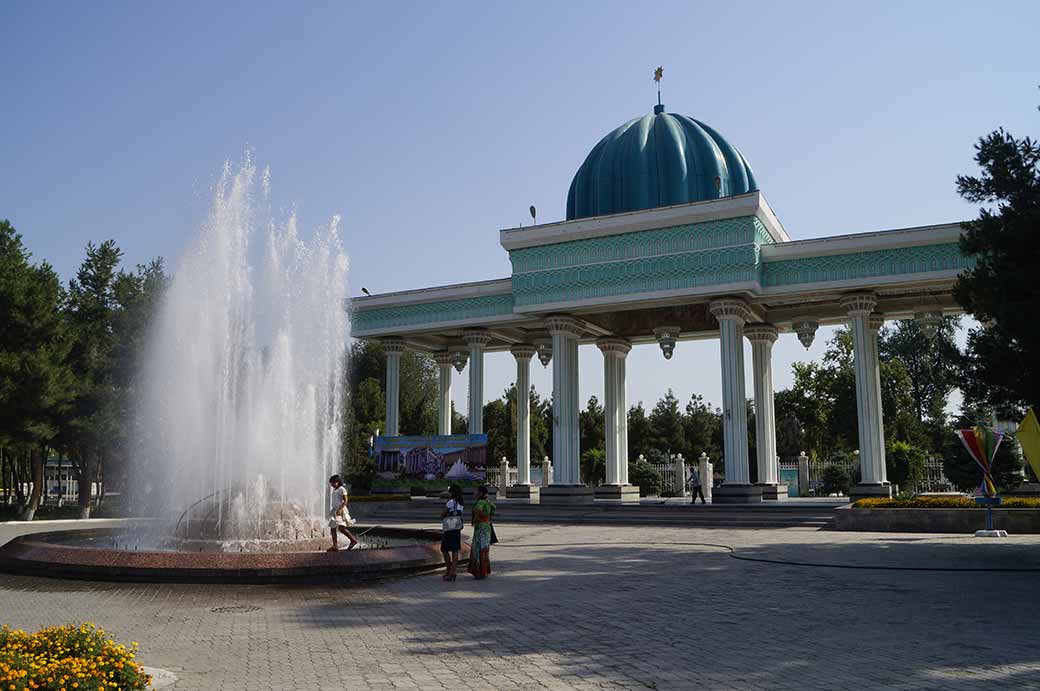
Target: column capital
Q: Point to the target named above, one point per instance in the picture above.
(561, 324)
(443, 357)
(760, 332)
(876, 320)
(613, 346)
(859, 304)
(393, 345)
(523, 351)
(736, 309)
(476, 337)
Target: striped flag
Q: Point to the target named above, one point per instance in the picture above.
(982, 444)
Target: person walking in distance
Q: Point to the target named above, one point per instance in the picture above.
(339, 517)
(695, 485)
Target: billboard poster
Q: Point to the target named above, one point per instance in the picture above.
(433, 457)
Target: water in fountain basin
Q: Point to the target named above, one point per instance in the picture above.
(244, 377)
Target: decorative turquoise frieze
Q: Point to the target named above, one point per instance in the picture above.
(670, 272)
(889, 262)
(383, 318)
(762, 236)
(694, 237)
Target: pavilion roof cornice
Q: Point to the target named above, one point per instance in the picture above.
(944, 233)
(745, 205)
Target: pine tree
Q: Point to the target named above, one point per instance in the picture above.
(36, 385)
(1001, 291)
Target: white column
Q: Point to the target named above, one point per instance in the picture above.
(868, 388)
(732, 313)
(393, 347)
(622, 404)
(874, 323)
(523, 355)
(443, 360)
(476, 339)
(565, 332)
(762, 337)
(616, 433)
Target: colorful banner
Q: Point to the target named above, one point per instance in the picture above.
(982, 444)
(1029, 438)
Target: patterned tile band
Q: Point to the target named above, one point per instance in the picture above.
(672, 272)
(890, 262)
(642, 244)
(382, 318)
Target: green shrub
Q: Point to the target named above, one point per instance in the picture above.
(835, 479)
(905, 465)
(647, 478)
(594, 467)
(361, 473)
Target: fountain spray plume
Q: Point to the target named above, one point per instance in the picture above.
(244, 377)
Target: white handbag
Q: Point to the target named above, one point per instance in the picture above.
(453, 522)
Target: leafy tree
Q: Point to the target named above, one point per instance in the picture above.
(500, 426)
(667, 424)
(702, 429)
(931, 365)
(592, 424)
(823, 400)
(790, 434)
(95, 421)
(905, 465)
(1001, 291)
(640, 433)
(541, 427)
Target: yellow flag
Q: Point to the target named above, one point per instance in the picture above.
(1029, 438)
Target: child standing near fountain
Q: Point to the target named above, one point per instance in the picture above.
(340, 518)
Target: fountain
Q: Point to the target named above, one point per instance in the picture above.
(241, 410)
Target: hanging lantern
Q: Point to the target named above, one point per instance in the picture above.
(806, 330)
(545, 352)
(459, 359)
(666, 338)
(929, 321)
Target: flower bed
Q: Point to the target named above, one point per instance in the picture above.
(943, 503)
(63, 658)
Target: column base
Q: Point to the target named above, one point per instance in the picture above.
(565, 495)
(523, 494)
(737, 494)
(626, 494)
(772, 492)
(870, 491)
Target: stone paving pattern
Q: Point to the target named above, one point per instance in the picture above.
(600, 607)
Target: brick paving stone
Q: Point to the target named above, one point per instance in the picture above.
(586, 607)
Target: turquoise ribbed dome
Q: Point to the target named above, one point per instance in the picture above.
(657, 160)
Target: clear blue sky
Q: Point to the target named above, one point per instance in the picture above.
(429, 126)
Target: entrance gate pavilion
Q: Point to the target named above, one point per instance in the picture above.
(668, 238)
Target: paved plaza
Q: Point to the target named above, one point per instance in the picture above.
(592, 607)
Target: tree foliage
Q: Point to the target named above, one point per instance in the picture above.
(1001, 290)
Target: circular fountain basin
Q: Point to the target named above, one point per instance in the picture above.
(110, 555)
